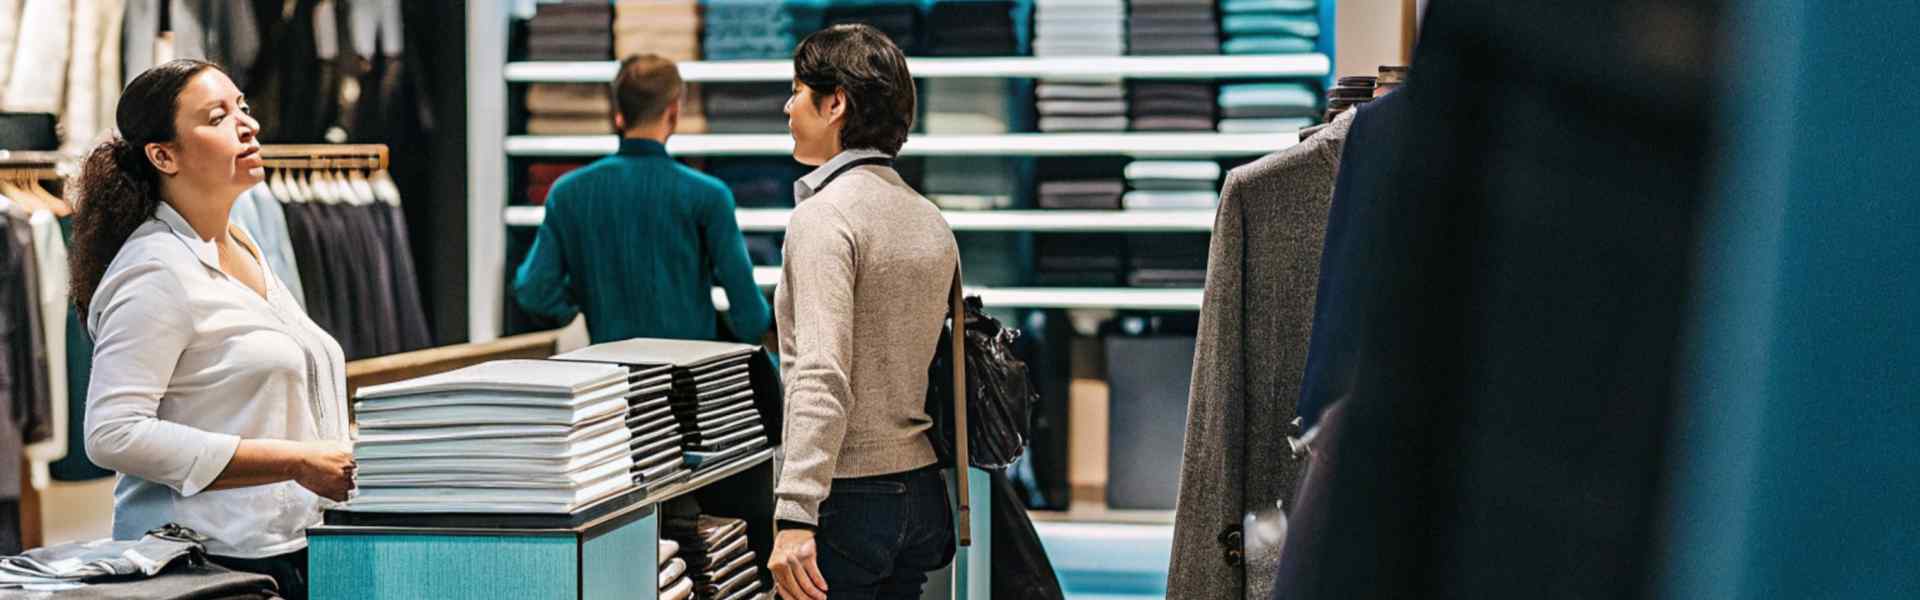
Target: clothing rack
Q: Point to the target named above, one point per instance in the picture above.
(325, 156)
(36, 165)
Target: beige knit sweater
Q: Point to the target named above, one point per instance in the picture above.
(860, 307)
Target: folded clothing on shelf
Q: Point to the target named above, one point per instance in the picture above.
(1267, 107)
(715, 550)
(571, 31)
(972, 28)
(541, 176)
(534, 436)
(1172, 27)
(669, 28)
(898, 19)
(1269, 26)
(1082, 106)
(1174, 175)
(1171, 106)
(1167, 260)
(1079, 28)
(1079, 260)
(757, 29)
(746, 107)
(969, 182)
(966, 106)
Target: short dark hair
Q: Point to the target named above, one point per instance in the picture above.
(645, 86)
(859, 59)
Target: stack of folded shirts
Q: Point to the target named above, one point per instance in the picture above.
(1067, 106)
(504, 436)
(1171, 106)
(746, 107)
(569, 109)
(675, 584)
(1172, 27)
(898, 19)
(669, 28)
(1078, 260)
(1163, 184)
(712, 393)
(1079, 28)
(717, 555)
(1349, 92)
(1167, 260)
(960, 106)
(1081, 183)
(1266, 107)
(1269, 26)
(693, 111)
(972, 28)
(540, 178)
(757, 29)
(571, 30)
(969, 182)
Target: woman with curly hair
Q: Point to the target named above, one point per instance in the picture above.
(218, 401)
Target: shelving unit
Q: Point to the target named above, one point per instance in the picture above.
(1134, 67)
(1011, 144)
(765, 220)
(1173, 299)
(490, 74)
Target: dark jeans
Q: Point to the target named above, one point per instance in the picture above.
(289, 571)
(880, 536)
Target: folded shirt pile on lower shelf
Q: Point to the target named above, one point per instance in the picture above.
(669, 28)
(1171, 106)
(746, 107)
(898, 19)
(674, 582)
(716, 553)
(1167, 261)
(757, 29)
(569, 109)
(712, 393)
(1267, 107)
(571, 30)
(1078, 260)
(1269, 26)
(1080, 183)
(535, 436)
(1083, 106)
(972, 28)
(1172, 184)
(1172, 27)
(1079, 27)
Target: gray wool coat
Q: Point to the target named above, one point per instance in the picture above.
(1263, 268)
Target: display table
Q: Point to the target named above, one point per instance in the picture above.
(606, 550)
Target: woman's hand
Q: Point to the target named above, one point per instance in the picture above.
(325, 469)
(796, 566)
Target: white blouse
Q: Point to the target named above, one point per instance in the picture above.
(187, 362)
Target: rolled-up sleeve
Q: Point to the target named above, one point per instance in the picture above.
(140, 327)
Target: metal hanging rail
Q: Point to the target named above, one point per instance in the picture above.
(325, 156)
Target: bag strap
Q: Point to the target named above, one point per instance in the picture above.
(960, 461)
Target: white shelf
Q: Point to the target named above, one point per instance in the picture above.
(1040, 297)
(1011, 144)
(1139, 67)
(771, 220)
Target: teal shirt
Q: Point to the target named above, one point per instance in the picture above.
(636, 241)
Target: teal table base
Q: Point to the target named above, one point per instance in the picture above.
(372, 563)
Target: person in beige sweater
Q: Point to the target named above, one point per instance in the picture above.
(861, 504)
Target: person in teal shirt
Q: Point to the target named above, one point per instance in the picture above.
(637, 240)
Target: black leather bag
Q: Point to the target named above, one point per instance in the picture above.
(999, 400)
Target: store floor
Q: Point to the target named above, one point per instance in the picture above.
(1109, 561)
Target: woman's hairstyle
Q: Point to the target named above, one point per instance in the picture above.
(861, 60)
(119, 188)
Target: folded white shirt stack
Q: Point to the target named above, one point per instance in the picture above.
(504, 436)
(712, 395)
(1172, 184)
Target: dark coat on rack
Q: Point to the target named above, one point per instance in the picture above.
(1262, 270)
